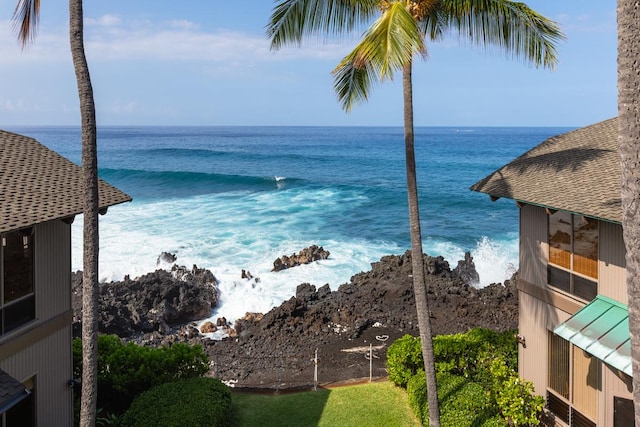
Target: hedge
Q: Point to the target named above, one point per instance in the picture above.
(194, 402)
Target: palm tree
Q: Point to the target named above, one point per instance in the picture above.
(629, 138)
(26, 16)
(390, 44)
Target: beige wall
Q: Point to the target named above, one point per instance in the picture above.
(536, 318)
(617, 384)
(50, 361)
(53, 269)
(533, 245)
(542, 309)
(611, 267)
(42, 349)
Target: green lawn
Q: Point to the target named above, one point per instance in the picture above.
(378, 404)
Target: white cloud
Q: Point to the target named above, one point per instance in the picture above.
(184, 24)
(104, 21)
(17, 105)
(109, 38)
(588, 23)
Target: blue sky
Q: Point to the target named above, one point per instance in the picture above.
(208, 63)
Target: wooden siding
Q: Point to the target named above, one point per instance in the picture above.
(53, 269)
(615, 384)
(586, 383)
(49, 363)
(533, 245)
(536, 319)
(613, 276)
(41, 350)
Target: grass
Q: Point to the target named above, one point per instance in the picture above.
(379, 404)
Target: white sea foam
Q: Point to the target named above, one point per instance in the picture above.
(225, 236)
(228, 233)
(495, 262)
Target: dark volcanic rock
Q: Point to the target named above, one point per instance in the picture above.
(156, 301)
(277, 349)
(466, 270)
(374, 308)
(305, 256)
(167, 258)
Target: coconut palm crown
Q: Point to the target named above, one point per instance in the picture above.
(402, 30)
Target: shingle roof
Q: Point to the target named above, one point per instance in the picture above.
(578, 171)
(38, 185)
(11, 391)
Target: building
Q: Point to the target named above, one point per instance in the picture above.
(40, 194)
(573, 322)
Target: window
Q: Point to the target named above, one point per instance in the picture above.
(17, 298)
(573, 383)
(573, 254)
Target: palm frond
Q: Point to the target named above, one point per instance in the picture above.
(353, 78)
(293, 19)
(511, 26)
(25, 20)
(391, 41)
(431, 25)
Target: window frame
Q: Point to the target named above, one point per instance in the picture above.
(20, 311)
(565, 278)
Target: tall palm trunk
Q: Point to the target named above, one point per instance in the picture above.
(629, 130)
(417, 261)
(90, 211)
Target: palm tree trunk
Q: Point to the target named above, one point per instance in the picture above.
(90, 211)
(417, 260)
(629, 138)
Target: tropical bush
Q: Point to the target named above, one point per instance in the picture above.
(514, 396)
(126, 370)
(463, 403)
(404, 360)
(477, 379)
(195, 402)
(467, 355)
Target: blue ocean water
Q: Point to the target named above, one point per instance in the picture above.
(233, 198)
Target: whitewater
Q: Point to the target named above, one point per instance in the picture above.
(236, 198)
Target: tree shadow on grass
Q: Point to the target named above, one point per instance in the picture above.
(271, 409)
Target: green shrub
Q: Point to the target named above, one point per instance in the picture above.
(477, 379)
(417, 396)
(468, 355)
(514, 396)
(462, 403)
(404, 360)
(126, 370)
(195, 402)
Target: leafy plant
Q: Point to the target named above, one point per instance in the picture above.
(478, 383)
(463, 403)
(467, 355)
(196, 402)
(126, 370)
(514, 396)
(404, 360)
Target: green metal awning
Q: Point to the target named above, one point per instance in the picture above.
(601, 328)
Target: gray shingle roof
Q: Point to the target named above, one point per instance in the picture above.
(11, 391)
(578, 171)
(38, 185)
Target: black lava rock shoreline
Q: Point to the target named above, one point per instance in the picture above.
(335, 331)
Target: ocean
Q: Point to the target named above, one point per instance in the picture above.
(236, 198)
